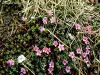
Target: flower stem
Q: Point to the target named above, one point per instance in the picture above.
(28, 69)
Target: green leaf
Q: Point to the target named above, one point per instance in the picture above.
(58, 65)
(51, 42)
(33, 28)
(98, 42)
(30, 65)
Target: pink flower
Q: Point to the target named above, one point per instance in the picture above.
(60, 22)
(46, 50)
(51, 64)
(36, 10)
(77, 26)
(87, 47)
(92, 1)
(50, 69)
(61, 47)
(84, 54)
(86, 60)
(50, 13)
(67, 69)
(23, 70)
(55, 43)
(89, 18)
(65, 62)
(42, 29)
(87, 51)
(52, 19)
(45, 20)
(88, 29)
(10, 62)
(21, 73)
(85, 39)
(36, 48)
(38, 52)
(24, 18)
(79, 51)
(73, 59)
(71, 54)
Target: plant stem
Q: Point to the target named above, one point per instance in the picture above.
(28, 69)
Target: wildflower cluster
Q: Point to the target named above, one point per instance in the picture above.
(47, 51)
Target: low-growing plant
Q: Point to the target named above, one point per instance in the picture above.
(50, 40)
